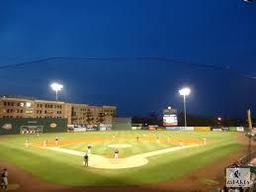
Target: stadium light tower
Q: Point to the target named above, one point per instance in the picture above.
(249, 1)
(56, 87)
(185, 92)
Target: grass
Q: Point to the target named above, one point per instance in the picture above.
(67, 169)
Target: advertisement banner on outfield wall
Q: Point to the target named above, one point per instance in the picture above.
(180, 128)
(240, 129)
(79, 129)
(187, 128)
(105, 127)
(217, 129)
(136, 128)
(232, 129)
(202, 129)
(236, 129)
(173, 128)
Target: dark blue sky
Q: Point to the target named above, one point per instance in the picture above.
(221, 33)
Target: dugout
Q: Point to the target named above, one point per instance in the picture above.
(31, 125)
(122, 123)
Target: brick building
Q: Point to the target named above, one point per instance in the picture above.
(77, 114)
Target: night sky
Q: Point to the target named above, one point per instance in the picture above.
(135, 54)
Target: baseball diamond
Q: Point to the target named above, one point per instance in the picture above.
(158, 156)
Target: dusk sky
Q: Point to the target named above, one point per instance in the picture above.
(135, 54)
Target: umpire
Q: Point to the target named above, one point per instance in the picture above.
(86, 159)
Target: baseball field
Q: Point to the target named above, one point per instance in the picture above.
(144, 156)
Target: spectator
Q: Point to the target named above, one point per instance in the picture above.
(4, 180)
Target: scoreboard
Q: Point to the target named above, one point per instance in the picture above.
(170, 117)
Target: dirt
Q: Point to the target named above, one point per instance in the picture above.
(213, 177)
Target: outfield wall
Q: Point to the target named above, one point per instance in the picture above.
(14, 126)
(190, 128)
(206, 129)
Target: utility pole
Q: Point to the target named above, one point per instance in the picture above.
(249, 116)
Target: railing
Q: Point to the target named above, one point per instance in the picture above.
(247, 158)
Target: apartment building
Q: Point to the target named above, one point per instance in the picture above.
(52, 109)
(77, 114)
(92, 115)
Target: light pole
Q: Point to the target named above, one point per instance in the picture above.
(185, 92)
(56, 87)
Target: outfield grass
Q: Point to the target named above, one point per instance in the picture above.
(67, 169)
